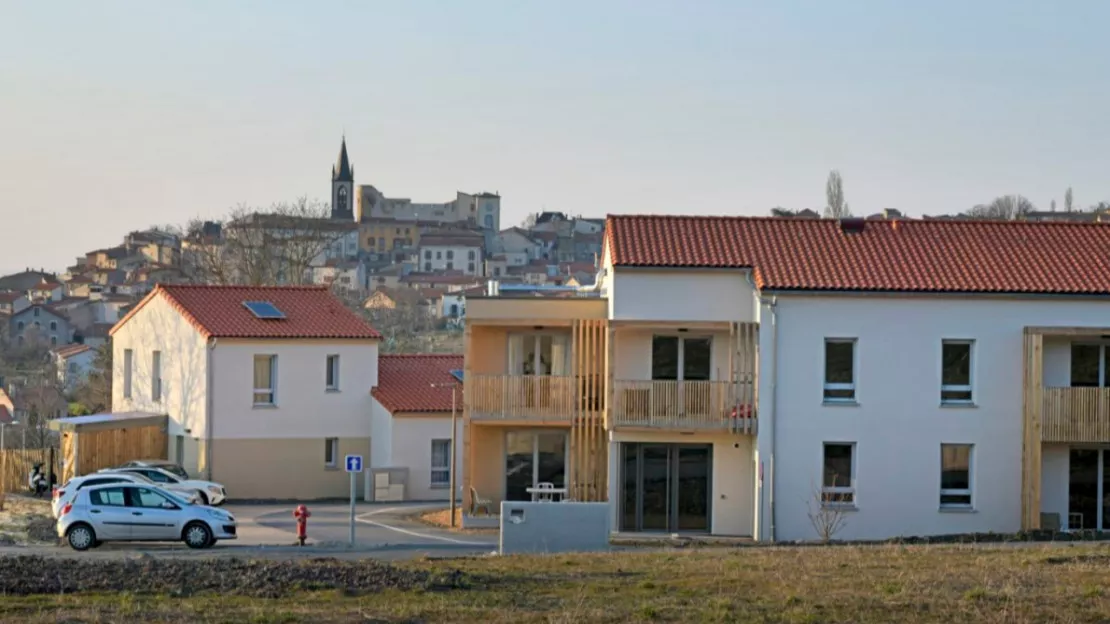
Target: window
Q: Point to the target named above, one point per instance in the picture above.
(427, 266)
(428, 255)
(53, 325)
(108, 497)
(1089, 366)
(686, 359)
(19, 326)
(840, 370)
(331, 452)
(450, 255)
(53, 340)
(439, 255)
(955, 382)
(441, 463)
(333, 372)
(127, 358)
(470, 267)
(156, 376)
(381, 242)
(838, 481)
(148, 499)
(955, 475)
(450, 266)
(265, 367)
(72, 368)
(497, 271)
(470, 255)
(36, 313)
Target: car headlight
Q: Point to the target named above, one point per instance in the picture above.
(213, 489)
(217, 514)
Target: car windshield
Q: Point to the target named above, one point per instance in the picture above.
(175, 497)
(173, 469)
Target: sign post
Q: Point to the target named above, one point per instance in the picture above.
(354, 466)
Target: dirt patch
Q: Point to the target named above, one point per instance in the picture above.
(264, 579)
(441, 519)
(26, 521)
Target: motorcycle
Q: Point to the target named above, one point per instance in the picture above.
(37, 481)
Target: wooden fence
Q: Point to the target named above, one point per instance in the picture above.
(15, 465)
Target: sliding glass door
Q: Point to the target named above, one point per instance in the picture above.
(1089, 489)
(531, 458)
(665, 487)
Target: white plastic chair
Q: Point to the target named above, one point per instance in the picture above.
(545, 497)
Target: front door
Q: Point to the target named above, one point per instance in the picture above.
(531, 458)
(665, 487)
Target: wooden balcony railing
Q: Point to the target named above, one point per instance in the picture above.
(698, 405)
(520, 397)
(1076, 415)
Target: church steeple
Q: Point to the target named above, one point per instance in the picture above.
(343, 186)
(342, 171)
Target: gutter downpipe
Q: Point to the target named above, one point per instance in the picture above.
(770, 480)
(208, 409)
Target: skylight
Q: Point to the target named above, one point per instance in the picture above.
(457, 373)
(263, 309)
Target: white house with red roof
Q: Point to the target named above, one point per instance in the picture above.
(73, 363)
(267, 388)
(412, 422)
(743, 376)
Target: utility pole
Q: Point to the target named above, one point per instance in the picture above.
(454, 443)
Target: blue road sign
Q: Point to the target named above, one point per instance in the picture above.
(354, 463)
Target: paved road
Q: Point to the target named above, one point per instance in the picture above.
(269, 531)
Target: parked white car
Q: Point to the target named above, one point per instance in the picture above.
(66, 493)
(208, 493)
(134, 512)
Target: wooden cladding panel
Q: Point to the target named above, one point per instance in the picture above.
(588, 440)
(1032, 406)
(545, 398)
(1075, 415)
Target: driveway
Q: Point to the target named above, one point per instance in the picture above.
(269, 531)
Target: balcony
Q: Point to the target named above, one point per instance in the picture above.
(685, 405)
(1076, 415)
(539, 398)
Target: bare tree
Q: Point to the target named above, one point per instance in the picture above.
(1004, 208)
(836, 207)
(94, 394)
(1052, 206)
(408, 327)
(257, 248)
(1068, 202)
(827, 513)
(529, 222)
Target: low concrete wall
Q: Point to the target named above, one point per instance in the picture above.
(554, 527)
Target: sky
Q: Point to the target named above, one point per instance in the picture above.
(118, 115)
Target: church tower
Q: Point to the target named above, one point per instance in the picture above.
(343, 186)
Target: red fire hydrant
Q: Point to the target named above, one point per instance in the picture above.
(302, 515)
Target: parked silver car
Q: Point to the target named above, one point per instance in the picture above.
(136, 512)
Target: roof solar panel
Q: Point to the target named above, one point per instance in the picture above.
(264, 309)
(457, 373)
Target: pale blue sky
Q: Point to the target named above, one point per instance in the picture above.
(117, 115)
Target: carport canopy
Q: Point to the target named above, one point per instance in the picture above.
(111, 420)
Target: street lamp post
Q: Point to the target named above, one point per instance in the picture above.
(454, 439)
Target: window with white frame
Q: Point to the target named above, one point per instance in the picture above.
(331, 452)
(955, 475)
(955, 377)
(441, 463)
(333, 372)
(840, 370)
(265, 377)
(838, 480)
(128, 357)
(156, 376)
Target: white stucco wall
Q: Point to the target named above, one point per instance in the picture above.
(676, 295)
(381, 435)
(732, 488)
(412, 448)
(304, 407)
(899, 424)
(159, 327)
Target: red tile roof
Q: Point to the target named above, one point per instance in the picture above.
(69, 351)
(892, 256)
(218, 311)
(405, 382)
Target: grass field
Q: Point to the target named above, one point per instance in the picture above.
(808, 584)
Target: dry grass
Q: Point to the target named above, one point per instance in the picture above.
(441, 518)
(25, 520)
(812, 584)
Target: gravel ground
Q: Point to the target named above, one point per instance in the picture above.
(26, 520)
(26, 575)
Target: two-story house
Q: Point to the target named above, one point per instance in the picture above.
(738, 376)
(38, 324)
(266, 388)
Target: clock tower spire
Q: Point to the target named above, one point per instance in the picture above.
(343, 186)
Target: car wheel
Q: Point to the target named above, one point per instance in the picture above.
(81, 537)
(202, 498)
(197, 535)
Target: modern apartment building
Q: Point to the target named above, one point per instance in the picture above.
(744, 376)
